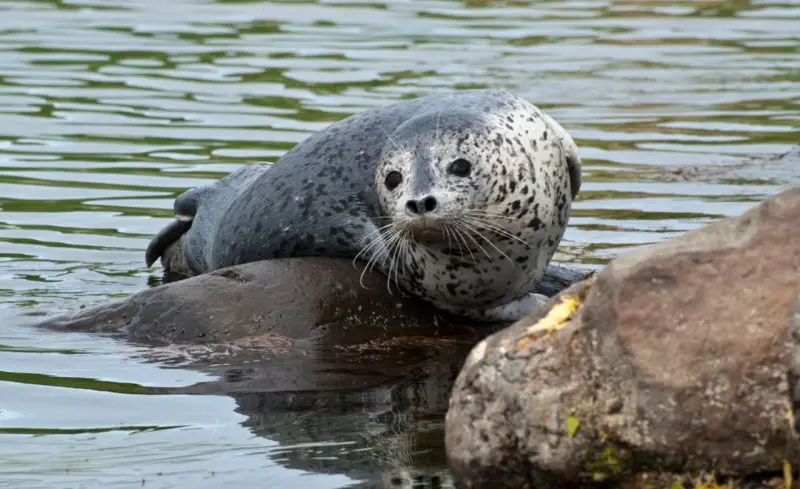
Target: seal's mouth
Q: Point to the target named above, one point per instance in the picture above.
(437, 234)
(428, 234)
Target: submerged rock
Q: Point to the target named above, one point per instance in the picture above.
(309, 355)
(316, 322)
(674, 359)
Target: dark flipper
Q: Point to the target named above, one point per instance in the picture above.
(571, 149)
(558, 278)
(574, 165)
(185, 208)
(171, 233)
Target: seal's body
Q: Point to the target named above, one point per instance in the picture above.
(460, 198)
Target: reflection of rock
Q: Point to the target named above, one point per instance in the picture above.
(673, 359)
(391, 435)
(311, 356)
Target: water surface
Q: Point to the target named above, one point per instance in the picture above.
(108, 110)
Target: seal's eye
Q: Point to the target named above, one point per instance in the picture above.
(393, 179)
(460, 167)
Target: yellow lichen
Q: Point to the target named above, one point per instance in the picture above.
(788, 480)
(606, 464)
(573, 425)
(557, 317)
(677, 483)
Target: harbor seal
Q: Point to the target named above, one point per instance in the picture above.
(459, 198)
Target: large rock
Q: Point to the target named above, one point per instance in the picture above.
(674, 359)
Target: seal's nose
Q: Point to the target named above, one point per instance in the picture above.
(421, 206)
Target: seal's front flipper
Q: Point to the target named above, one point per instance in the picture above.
(171, 233)
(513, 310)
(185, 209)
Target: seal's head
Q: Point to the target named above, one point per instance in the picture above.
(473, 199)
(435, 175)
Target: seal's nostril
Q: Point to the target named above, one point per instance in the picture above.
(421, 206)
(429, 203)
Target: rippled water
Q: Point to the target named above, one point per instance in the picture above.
(108, 110)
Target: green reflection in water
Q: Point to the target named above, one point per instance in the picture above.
(83, 431)
(78, 383)
(20, 349)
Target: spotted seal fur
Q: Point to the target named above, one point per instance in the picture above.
(460, 198)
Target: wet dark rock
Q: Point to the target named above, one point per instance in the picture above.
(266, 303)
(299, 323)
(672, 360)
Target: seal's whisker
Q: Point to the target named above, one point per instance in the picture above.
(380, 252)
(490, 226)
(436, 132)
(372, 241)
(489, 219)
(453, 232)
(406, 253)
(372, 244)
(377, 245)
(389, 137)
(467, 228)
(396, 242)
(492, 215)
(458, 242)
(447, 233)
(461, 237)
(398, 259)
(374, 248)
(489, 241)
(386, 257)
(369, 265)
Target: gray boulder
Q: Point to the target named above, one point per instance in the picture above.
(675, 359)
